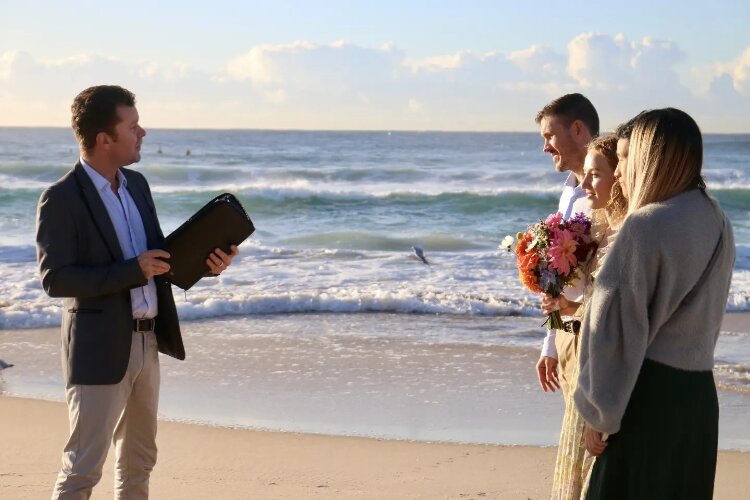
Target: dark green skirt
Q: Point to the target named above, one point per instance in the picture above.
(667, 444)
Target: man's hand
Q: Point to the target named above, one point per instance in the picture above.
(152, 264)
(593, 441)
(220, 260)
(546, 370)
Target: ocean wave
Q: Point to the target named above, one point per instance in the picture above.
(732, 197)
(12, 184)
(203, 304)
(17, 254)
(36, 314)
(738, 301)
(369, 241)
(353, 301)
(320, 187)
(223, 173)
(733, 377)
(301, 188)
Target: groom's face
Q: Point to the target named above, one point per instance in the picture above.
(562, 142)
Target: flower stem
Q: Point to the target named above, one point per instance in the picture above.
(555, 320)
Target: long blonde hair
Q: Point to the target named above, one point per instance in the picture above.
(665, 157)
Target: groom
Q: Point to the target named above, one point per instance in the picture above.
(567, 125)
(98, 247)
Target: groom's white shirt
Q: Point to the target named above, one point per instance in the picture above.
(572, 201)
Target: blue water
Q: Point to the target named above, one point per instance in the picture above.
(337, 214)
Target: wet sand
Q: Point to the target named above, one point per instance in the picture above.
(197, 462)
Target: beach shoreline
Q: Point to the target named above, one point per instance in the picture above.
(213, 462)
(368, 375)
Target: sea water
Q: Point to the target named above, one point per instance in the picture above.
(337, 217)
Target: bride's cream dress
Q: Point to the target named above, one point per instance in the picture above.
(573, 463)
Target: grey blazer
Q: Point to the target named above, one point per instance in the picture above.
(80, 260)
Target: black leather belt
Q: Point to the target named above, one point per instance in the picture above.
(144, 325)
(573, 326)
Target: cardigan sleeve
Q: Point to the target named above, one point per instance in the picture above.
(615, 329)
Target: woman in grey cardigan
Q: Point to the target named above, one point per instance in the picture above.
(646, 388)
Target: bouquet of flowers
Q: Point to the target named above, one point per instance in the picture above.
(550, 253)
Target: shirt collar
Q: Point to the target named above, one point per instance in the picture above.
(100, 182)
(571, 181)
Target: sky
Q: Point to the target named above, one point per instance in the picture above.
(385, 65)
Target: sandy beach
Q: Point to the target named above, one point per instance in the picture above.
(207, 462)
(340, 408)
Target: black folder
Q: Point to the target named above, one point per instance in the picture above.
(222, 222)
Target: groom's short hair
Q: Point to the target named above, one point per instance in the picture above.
(572, 107)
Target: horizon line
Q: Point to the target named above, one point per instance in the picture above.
(386, 131)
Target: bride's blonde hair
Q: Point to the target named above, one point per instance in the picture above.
(665, 157)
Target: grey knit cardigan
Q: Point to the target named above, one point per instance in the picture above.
(637, 309)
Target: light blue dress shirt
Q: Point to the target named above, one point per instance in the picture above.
(131, 235)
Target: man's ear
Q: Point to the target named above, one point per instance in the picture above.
(580, 131)
(578, 127)
(103, 139)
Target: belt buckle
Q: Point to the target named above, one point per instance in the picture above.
(143, 325)
(570, 326)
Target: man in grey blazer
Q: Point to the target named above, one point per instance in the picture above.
(98, 247)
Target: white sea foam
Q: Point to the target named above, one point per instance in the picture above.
(337, 215)
(300, 188)
(268, 280)
(12, 182)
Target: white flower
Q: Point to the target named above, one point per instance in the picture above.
(507, 243)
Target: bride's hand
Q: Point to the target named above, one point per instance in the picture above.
(551, 304)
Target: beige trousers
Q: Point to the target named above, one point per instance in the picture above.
(567, 356)
(124, 413)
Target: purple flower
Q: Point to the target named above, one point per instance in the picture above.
(583, 220)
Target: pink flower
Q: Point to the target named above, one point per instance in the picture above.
(562, 250)
(554, 220)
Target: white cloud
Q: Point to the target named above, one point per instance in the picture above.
(415, 106)
(738, 71)
(259, 65)
(614, 64)
(440, 63)
(539, 63)
(342, 85)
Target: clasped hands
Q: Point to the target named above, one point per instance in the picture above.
(153, 264)
(594, 441)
